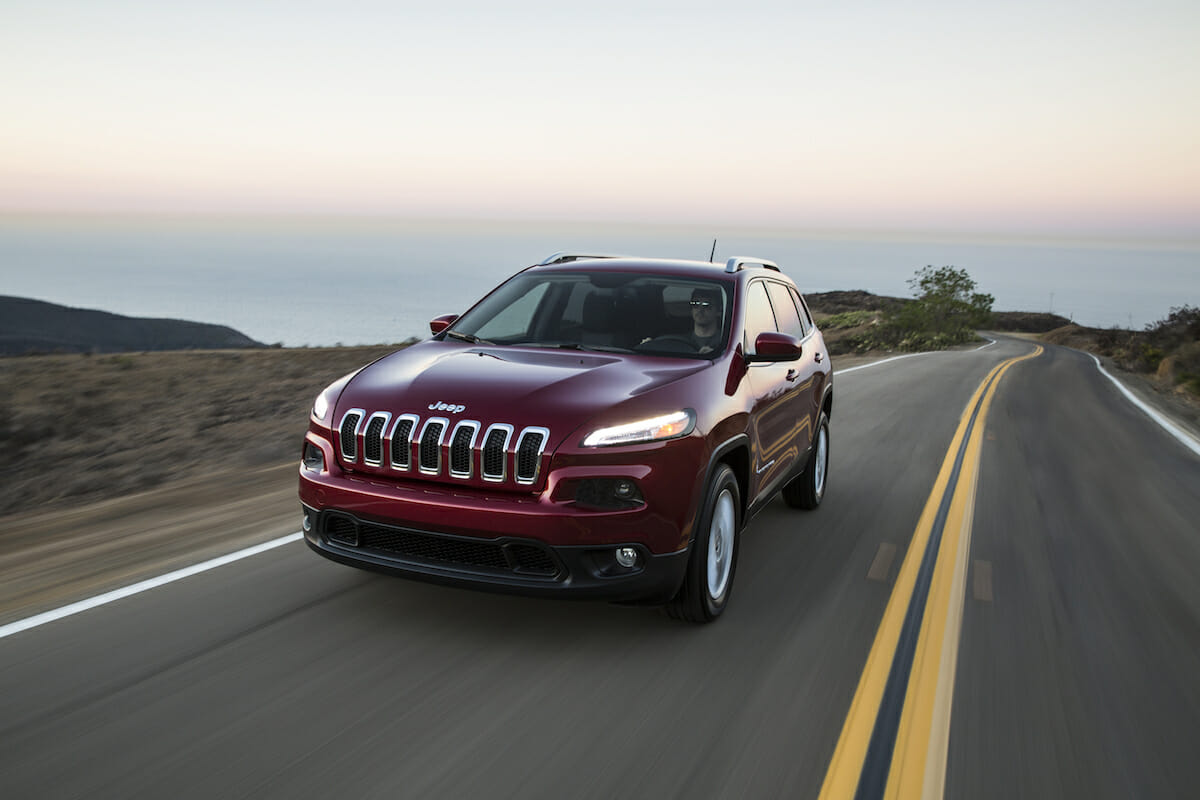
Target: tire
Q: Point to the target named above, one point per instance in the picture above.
(807, 489)
(708, 581)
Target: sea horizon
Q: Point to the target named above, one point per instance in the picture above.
(322, 280)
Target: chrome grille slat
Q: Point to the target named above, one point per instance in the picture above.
(373, 438)
(401, 441)
(429, 459)
(529, 453)
(348, 434)
(494, 458)
(462, 446)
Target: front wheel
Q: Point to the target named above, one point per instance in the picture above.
(808, 488)
(713, 559)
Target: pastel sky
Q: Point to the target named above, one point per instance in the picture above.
(1017, 116)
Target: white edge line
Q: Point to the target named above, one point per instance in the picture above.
(983, 346)
(837, 372)
(142, 586)
(907, 355)
(1170, 427)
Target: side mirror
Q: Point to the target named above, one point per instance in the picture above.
(439, 324)
(774, 346)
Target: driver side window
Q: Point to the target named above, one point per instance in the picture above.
(759, 317)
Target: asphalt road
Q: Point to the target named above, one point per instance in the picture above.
(285, 675)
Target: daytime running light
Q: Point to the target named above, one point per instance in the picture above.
(668, 426)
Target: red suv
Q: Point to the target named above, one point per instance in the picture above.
(594, 427)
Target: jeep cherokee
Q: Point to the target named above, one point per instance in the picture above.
(595, 427)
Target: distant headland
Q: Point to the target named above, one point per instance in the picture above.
(33, 326)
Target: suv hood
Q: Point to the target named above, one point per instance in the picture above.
(520, 386)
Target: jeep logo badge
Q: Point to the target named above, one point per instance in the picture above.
(446, 407)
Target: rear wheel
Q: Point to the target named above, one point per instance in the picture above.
(807, 489)
(713, 559)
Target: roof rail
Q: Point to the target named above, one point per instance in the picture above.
(563, 258)
(734, 264)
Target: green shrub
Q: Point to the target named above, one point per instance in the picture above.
(946, 312)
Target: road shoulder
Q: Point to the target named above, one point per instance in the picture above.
(56, 557)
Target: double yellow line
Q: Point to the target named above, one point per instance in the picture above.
(893, 743)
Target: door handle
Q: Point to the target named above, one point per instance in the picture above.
(792, 375)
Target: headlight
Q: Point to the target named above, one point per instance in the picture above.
(321, 407)
(326, 398)
(668, 426)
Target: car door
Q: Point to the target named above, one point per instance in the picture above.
(781, 425)
(808, 373)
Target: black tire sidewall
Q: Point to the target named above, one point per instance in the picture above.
(817, 494)
(801, 491)
(721, 480)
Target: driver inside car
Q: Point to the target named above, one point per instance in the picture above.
(706, 320)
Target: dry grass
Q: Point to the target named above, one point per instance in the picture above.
(76, 428)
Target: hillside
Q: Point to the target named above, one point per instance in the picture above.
(846, 318)
(33, 326)
(1166, 354)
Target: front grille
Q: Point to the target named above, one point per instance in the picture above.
(498, 455)
(440, 549)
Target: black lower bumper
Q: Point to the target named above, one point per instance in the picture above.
(508, 564)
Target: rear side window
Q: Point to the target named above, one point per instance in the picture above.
(785, 310)
(805, 316)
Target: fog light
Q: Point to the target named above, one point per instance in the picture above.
(314, 459)
(627, 557)
(307, 523)
(608, 493)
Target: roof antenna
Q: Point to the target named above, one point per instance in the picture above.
(713, 253)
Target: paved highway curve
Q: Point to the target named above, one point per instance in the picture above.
(1073, 663)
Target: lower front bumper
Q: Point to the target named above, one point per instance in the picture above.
(512, 565)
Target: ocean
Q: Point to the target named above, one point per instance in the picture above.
(324, 282)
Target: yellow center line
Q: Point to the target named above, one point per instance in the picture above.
(917, 761)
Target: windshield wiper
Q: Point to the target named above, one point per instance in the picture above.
(592, 348)
(466, 337)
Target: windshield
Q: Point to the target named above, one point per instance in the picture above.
(603, 311)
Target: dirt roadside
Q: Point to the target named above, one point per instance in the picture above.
(54, 558)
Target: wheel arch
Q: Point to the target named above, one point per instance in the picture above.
(735, 454)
